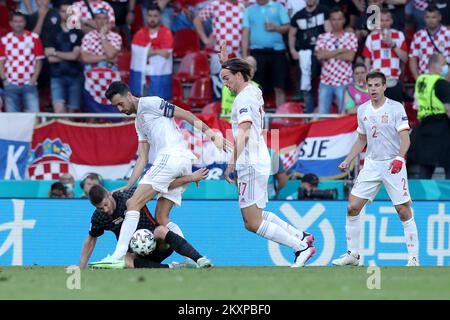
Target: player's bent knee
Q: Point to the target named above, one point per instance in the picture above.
(160, 232)
(353, 209)
(252, 227)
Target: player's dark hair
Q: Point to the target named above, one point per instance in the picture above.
(154, 7)
(117, 87)
(236, 65)
(97, 194)
(375, 75)
(432, 8)
(16, 14)
(359, 65)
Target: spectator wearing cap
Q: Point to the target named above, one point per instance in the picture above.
(21, 55)
(86, 13)
(99, 50)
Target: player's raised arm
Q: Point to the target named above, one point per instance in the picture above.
(86, 252)
(220, 142)
(141, 163)
(357, 148)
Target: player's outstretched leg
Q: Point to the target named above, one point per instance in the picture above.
(254, 222)
(301, 234)
(352, 232)
(181, 246)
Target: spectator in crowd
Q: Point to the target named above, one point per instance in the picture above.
(159, 39)
(89, 180)
(278, 177)
(419, 7)
(226, 16)
(351, 8)
(21, 53)
(99, 50)
(27, 6)
(57, 191)
(294, 6)
(87, 13)
(384, 51)
(430, 141)
(336, 50)
(306, 26)
(357, 92)
(66, 72)
(367, 20)
(434, 38)
(69, 183)
(444, 8)
(397, 9)
(45, 20)
(263, 28)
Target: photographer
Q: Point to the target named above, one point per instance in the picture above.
(309, 189)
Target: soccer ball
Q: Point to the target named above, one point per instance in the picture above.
(143, 242)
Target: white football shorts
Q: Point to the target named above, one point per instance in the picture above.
(252, 188)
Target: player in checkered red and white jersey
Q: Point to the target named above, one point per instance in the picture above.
(83, 13)
(384, 50)
(383, 127)
(156, 128)
(21, 55)
(434, 38)
(336, 50)
(251, 160)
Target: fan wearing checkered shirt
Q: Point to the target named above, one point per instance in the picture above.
(155, 127)
(384, 51)
(87, 20)
(110, 215)
(336, 50)
(434, 38)
(21, 55)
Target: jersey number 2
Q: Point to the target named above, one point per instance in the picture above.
(374, 132)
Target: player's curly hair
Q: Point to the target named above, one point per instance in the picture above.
(236, 65)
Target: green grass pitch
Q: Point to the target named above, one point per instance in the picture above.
(229, 283)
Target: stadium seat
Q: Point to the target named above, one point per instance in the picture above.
(193, 66)
(288, 108)
(177, 89)
(182, 104)
(185, 41)
(4, 17)
(213, 108)
(123, 65)
(201, 92)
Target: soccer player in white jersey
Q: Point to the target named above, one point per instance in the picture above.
(251, 160)
(383, 127)
(156, 128)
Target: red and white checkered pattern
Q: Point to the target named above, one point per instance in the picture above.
(289, 158)
(92, 42)
(20, 55)
(227, 23)
(421, 4)
(383, 57)
(80, 9)
(48, 170)
(422, 47)
(97, 82)
(336, 72)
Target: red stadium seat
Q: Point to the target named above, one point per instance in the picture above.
(201, 92)
(185, 41)
(213, 108)
(182, 104)
(123, 65)
(288, 108)
(193, 66)
(177, 89)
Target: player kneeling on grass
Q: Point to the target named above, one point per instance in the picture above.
(383, 127)
(110, 214)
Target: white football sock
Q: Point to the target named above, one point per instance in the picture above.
(352, 231)
(412, 241)
(175, 229)
(272, 231)
(127, 230)
(271, 217)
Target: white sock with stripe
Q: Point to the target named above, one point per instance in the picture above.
(272, 217)
(352, 231)
(127, 230)
(274, 232)
(175, 229)
(411, 237)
